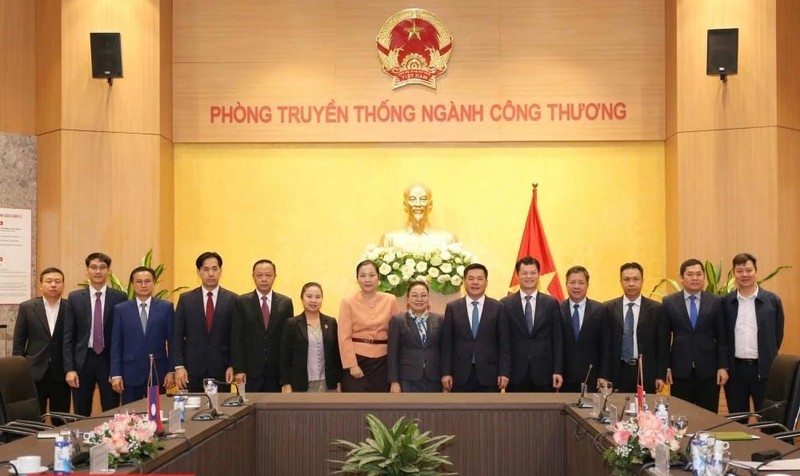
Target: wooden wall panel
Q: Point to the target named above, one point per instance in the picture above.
(788, 59)
(48, 204)
(132, 103)
(671, 69)
(316, 51)
(788, 246)
(17, 66)
(165, 68)
(109, 199)
(749, 98)
(48, 66)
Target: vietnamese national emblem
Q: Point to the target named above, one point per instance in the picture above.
(414, 47)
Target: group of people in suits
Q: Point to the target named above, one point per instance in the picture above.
(525, 342)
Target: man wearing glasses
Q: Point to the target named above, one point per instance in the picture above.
(87, 336)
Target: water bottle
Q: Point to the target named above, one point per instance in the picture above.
(699, 444)
(62, 462)
(212, 391)
(662, 409)
(179, 403)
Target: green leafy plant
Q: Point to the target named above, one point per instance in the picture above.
(715, 283)
(115, 283)
(399, 450)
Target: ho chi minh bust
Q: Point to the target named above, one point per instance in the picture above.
(418, 234)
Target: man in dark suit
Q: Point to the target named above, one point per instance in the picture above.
(755, 331)
(537, 346)
(258, 321)
(87, 337)
(695, 325)
(38, 336)
(476, 348)
(636, 332)
(413, 356)
(142, 327)
(587, 334)
(201, 343)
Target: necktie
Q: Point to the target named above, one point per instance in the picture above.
(528, 313)
(693, 310)
(423, 332)
(265, 311)
(627, 335)
(97, 324)
(209, 310)
(143, 316)
(476, 320)
(576, 321)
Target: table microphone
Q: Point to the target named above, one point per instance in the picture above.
(774, 458)
(584, 386)
(206, 415)
(688, 449)
(233, 400)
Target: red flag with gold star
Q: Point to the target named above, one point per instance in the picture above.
(534, 244)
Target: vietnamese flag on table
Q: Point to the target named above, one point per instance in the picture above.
(534, 244)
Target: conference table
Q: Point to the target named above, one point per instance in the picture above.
(291, 434)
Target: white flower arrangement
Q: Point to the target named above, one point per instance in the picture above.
(130, 438)
(442, 268)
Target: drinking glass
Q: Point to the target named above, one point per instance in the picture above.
(679, 423)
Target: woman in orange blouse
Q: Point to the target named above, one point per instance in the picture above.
(364, 332)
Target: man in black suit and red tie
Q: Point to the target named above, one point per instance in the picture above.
(695, 325)
(258, 321)
(537, 346)
(587, 334)
(87, 337)
(636, 331)
(475, 343)
(201, 343)
(38, 336)
(755, 319)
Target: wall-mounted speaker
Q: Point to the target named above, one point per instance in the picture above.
(722, 55)
(106, 55)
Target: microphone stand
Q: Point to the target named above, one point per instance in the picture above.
(209, 414)
(233, 400)
(780, 456)
(583, 402)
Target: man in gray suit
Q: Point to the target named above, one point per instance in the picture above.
(38, 336)
(413, 354)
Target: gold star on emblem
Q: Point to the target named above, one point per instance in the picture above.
(414, 31)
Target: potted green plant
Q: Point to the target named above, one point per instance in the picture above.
(714, 280)
(399, 450)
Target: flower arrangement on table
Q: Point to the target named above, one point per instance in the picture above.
(130, 438)
(442, 268)
(635, 442)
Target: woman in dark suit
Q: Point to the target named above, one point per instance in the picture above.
(413, 355)
(310, 359)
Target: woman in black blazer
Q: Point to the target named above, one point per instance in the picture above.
(310, 343)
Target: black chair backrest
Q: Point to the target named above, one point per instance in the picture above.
(18, 399)
(783, 384)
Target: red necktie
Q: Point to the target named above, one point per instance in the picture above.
(265, 311)
(209, 311)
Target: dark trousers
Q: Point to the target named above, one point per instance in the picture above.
(627, 378)
(58, 392)
(744, 384)
(424, 384)
(473, 385)
(527, 385)
(136, 392)
(575, 387)
(375, 379)
(95, 371)
(703, 392)
(263, 384)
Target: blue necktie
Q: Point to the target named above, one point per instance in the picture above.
(693, 310)
(576, 321)
(627, 334)
(423, 333)
(528, 313)
(475, 319)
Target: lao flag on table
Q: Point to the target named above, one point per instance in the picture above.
(153, 400)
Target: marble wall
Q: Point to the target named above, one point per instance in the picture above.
(17, 190)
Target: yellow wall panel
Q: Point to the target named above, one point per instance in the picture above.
(17, 66)
(313, 209)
